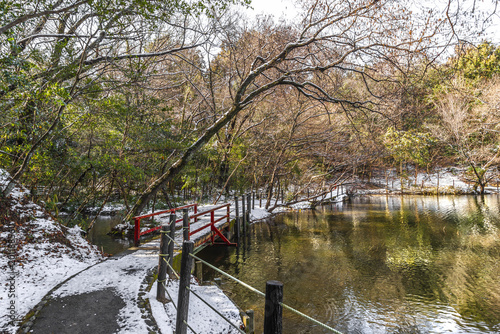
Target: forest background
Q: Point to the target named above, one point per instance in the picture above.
(148, 102)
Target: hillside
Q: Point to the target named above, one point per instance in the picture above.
(36, 254)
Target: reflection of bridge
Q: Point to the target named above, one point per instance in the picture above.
(200, 227)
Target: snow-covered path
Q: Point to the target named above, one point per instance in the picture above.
(113, 296)
(119, 287)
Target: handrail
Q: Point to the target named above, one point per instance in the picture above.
(167, 211)
(196, 215)
(137, 221)
(214, 231)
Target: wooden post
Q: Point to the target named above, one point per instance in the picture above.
(171, 245)
(250, 328)
(243, 215)
(185, 224)
(184, 284)
(260, 200)
(199, 271)
(282, 196)
(386, 182)
(273, 315)
(137, 232)
(162, 266)
(237, 221)
(437, 189)
(249, 206)
(253, 200)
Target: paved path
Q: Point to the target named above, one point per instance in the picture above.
(106, 297)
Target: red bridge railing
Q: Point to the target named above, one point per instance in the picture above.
(211, 225)
(214, 230)
(137, 221)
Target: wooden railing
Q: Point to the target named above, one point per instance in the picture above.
(211, 224)
(137, 221)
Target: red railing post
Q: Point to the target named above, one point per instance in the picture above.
(137, 232)
(212, 225)
(228, 220)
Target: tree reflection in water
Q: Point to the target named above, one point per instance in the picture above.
(378, 265)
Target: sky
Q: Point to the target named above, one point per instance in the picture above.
(288, 9)
(278, 8)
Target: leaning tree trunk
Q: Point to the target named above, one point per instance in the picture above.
(171, 172)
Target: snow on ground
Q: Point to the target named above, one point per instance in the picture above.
(122, 274)
(449, 180)
(200, 318)
(37, 254)
(46, 253)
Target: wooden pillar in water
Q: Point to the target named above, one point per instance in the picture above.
(273, 316)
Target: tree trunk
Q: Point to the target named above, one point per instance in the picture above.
(171, 172)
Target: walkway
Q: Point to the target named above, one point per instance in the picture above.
(108, 297)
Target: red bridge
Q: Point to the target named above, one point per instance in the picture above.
(203, 223)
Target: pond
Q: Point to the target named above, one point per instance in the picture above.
(376, 265)
(99, 235)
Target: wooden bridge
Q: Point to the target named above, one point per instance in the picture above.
(200, 227)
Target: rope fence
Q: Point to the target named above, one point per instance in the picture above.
(273, 297)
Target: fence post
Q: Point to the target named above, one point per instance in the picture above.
(171, 245)
(250, 329)
(137, 232)
(199, 271)
(212, 225)
(162, 265)
(249, 206)
(260, 199)
(237, 221)
(437, 189)
(253, 200)
(185, 224)
(243, 215)
(273, 315)
(184, 284)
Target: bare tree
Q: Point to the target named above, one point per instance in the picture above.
(333, 38)
(470, 127)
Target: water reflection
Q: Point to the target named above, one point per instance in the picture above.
(378, 265)
(99, 235)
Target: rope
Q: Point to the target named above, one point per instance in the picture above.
(175, 306)
(213, 309)
(311, 319)
(173, 270)
(231, 277)
(169, 296)
(175, 243)
(192, 330)
(263, 294)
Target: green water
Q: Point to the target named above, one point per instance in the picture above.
(99, 235)
(376, 265)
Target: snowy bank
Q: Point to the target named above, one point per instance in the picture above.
(37, 254)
